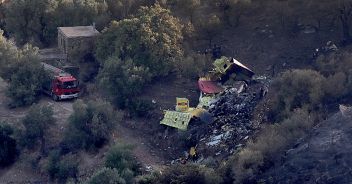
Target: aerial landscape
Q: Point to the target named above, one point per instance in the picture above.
(175, 91)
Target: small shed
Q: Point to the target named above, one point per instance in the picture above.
(77, 41)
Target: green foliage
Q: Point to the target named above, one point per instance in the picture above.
(36, 123)
(337, 68)
(133, 51)
(208, 27)
(106, 175)
(120, 158)
(147, 179)
(122, 81)
(25, 19)
(8, 144)
(61, 168)
(194, 65)
(189, 174)
(297, 89)
(9, 52)
(90, 125)
(271, 141)
(21, 67)
(36, 21)
(140, 107)
(152, 39)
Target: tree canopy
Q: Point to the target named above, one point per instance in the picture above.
(152, 38)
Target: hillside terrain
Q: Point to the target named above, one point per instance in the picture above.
(321, 157)
(279, 126)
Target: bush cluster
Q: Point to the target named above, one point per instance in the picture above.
(61, 168)
(36, 122)
(268, 145)
(90, 125)
(106, 175)
(22, 69)
(134, 51)
(120, 167)
(189, 173)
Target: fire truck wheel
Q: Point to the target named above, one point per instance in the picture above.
(55, 97)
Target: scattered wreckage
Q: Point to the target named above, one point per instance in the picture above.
(228, 96)
(211, 86)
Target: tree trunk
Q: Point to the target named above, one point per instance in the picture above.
(345, 17)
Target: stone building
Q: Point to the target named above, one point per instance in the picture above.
(76, 42)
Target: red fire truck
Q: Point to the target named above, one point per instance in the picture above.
(61, 84)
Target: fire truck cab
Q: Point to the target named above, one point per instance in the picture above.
(60, 85)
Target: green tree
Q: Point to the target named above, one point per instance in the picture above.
(208, 27)
(9, 55)
(120, 9)
(297, 89)
(90, 124)
(36, 123)
(61, 167)
(22, 69)
(152, 39)
(189, 173)
(36, 21)
(120, 157)
(121, 81)
(27, 77)
(8, 144)
(106, 175)
(25, 20)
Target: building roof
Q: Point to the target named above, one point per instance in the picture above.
(79, 31)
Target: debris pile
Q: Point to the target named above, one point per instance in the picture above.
(232, 123)
(222, 121)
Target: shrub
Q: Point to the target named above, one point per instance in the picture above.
(36, 123)
(335, 86)
(90, 125)
(120, 158)
(106, 175)
(61, 168)
(22, 69)
(152, 39)
(194, 65)
(147, 179)
(122, 81)
(8, 145)
(297, 89)
(25, 85)
(189, 173)
(271, 141)
(140, 107)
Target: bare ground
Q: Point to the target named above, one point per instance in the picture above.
(22, 172)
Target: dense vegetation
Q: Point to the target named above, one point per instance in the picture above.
(22, 69)
(90, 125)
(142, 42)
(8, 145)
